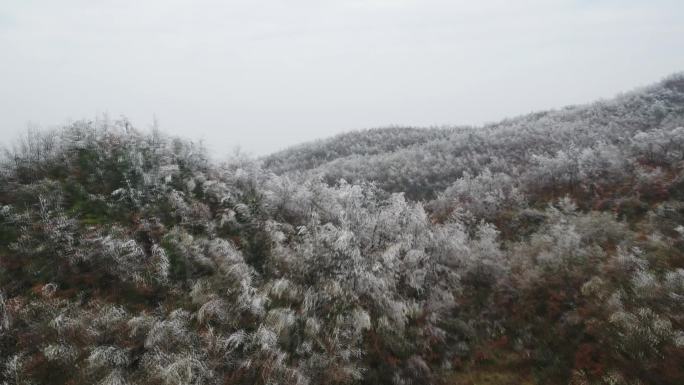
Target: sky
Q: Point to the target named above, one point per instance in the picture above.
(262, 75)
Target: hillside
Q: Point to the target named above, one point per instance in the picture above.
(368, 142)
(398, 161)
(545, 249)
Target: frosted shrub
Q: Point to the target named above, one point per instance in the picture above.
(107, 357)
(62, 353)
(5, 320)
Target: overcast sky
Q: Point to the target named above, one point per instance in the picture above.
(265, 74)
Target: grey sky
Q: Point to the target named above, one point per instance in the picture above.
(264, 74)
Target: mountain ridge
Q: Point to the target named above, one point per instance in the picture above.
(621, 115)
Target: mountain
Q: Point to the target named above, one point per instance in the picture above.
(369, 142)
(545, 249)
(424, 163)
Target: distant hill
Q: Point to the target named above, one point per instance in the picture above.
(422, 163)
(368, 142)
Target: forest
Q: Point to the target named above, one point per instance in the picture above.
(542, 249)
